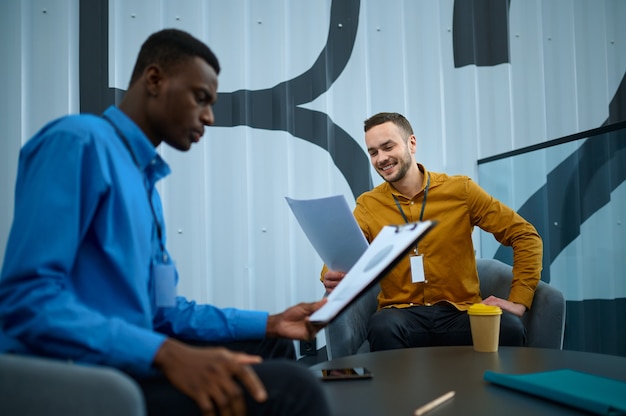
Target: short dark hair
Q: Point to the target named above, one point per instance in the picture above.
(169, 47)
(398, 119)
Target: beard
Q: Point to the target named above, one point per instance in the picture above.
(402, 165)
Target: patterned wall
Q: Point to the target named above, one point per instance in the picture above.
(477, 78)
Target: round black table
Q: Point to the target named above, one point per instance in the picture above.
(406, 379)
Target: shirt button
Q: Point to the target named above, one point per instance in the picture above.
(427, 304)
(412, 202)
(425, 281)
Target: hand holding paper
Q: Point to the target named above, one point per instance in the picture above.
(336, 236)
(387, 248)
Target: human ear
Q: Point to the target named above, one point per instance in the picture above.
(412, 143)
(153, 76)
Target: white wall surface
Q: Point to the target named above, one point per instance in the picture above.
(235, 241)
(38, 80)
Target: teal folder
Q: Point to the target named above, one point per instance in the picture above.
(588, 392)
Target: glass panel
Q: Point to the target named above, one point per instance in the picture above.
(573, 192)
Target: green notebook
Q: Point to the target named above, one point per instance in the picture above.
(595, 394)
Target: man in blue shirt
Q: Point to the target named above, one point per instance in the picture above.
(87, 277)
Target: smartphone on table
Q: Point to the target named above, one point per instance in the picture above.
(348, 373)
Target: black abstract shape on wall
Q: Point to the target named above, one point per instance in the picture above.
(480, 32)
(580, 185)
(93, 57)
(277, 108)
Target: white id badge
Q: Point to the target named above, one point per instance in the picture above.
(164, 278)
(417, 269)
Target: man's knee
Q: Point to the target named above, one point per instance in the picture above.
(379, 324)
(385, 331)
(291, 388)
(387, 325)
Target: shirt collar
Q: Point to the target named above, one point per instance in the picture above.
(397, 193)
(145, 152)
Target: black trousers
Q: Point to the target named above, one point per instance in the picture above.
(292, 389)
(438, 325)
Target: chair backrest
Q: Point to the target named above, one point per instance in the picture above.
(545, 321)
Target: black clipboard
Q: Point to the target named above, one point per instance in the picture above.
(388, 248)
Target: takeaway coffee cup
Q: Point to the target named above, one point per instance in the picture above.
(485, 325)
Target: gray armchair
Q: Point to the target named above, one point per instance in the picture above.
(39, 386)
(545, 321)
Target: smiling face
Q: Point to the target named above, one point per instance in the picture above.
(391, 151)
(181, 104)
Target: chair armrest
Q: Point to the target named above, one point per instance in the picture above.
(545, 321)
(495, 278)
(40, 386)
(346, 334)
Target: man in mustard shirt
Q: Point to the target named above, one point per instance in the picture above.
(424, 299)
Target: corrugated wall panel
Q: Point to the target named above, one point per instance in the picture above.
(10, 111)
(527, 81)
(579, 215)
(234, 238)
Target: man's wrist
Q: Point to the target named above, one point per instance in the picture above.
(164, 353)
(271, 328)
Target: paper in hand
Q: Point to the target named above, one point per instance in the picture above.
(386, 250)
(334, 233)
(332, 230)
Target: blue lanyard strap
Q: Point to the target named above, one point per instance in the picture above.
(134, 157)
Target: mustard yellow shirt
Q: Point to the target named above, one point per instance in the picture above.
(458, 204)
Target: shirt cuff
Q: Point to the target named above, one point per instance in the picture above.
(250, 324)
(522, 295)
(135, 349)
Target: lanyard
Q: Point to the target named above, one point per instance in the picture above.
(406, 220)
(132, 155)
(423, 202)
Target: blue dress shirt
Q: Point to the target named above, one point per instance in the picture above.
(76, 279)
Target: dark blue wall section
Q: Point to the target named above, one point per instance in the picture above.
(480, 32)
(596, 325)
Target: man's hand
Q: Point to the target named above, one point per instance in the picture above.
(294, 322)
(515, 308)
(332, 279)
(208, 376)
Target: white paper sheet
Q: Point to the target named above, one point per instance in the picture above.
(332, 230)
(334, 233)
